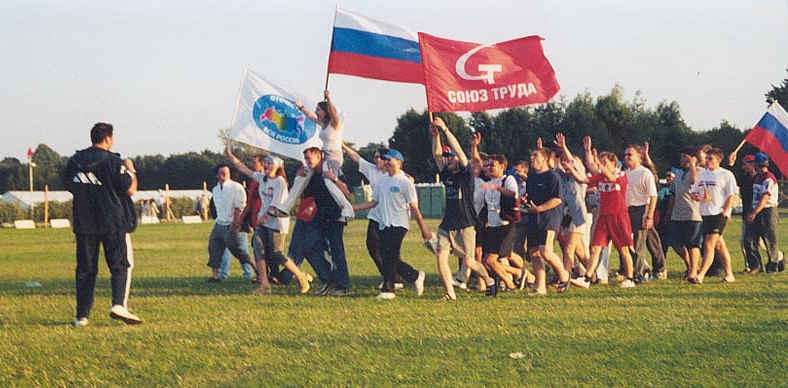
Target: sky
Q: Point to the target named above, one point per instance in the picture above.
(166, 74)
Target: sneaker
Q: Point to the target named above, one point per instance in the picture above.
(81, 322)
(662, 275)
(119, 312)
(581, 282)
(397, 286)
(418, 285)
(340, 293)
(627, 284)
(324, 289)
(603, 282)
(386, 296)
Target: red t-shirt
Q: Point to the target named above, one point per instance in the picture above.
(612, 195)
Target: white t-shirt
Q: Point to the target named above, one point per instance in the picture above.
(714, 187)
(394, 194)
(493, 199)
(272, 190)
(228, 197)
(373, 175)
(332, 142)
(478, 195)
(641, 186)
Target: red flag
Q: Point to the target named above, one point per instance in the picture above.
(465, 76)
(29, 153)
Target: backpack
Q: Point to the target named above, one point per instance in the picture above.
(510, 206)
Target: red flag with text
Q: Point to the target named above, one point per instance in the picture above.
(465, 76)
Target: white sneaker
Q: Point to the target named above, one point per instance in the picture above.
(386, 295)
(580, 282)
(81, 322)
(119, 312)
(627, 284)
(397, 286)
(418, 285)
(459, 284)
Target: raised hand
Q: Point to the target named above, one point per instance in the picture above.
(645, 147)
(539, 144)
(587, 143)
(560, 140)
(326, 94)
(477, 138)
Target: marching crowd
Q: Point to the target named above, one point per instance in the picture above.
(501, 219)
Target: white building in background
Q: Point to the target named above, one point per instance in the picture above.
(26, 198)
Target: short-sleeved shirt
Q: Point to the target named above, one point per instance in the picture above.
(745, 191)
(459, 213)
(715, 186)
(573, 194)
(685, 208)
(640, 186)
(478, 195)
(394, 194)
(373, 175)
(493, 199)
(543, 187)
(764, 183)
(612, 194)
(227, 197)
(272, 190)
(98, 180)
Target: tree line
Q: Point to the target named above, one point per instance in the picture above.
(610, 120)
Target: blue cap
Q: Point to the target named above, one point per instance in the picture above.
(394, 154)
(675, 171)
(761, 158)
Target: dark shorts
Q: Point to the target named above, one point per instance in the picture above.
(520, 236)
(498, 240)
(714, 224)
(539, 224)
(479, 236)
(687, 234)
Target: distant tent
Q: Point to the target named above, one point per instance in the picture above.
(26, 198)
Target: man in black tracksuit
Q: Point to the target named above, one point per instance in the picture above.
(102, 185)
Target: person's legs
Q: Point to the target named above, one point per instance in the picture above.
(224, 268)
(547, 254)
(216, 247)
(654, 246)
(373, 244)
(603, 267)
(391, 242)
(750, 247)
(115, 256)
(258, 247)
(307, 243)
(639, 236)
(709, 243)
(768, 224)
(340, 275)
(237, 243)
(87, 269)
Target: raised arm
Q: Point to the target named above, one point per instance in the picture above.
(309, 114)
(437, 149)
(560, 141)
(477, 138)
(591, 162)
(350, 152)
(332, 110)
(648, 162)
(236, 162)
(454, 144)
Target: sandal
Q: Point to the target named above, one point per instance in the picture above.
(562, 287)
(447, 298)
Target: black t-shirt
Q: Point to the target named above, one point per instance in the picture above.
(745, 190)
(98, 180)
(459, 212)
(540, 189)
(327, 209)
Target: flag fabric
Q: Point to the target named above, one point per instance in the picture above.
(369, 48)
(465, 76)
(267, 117)
(770, 135)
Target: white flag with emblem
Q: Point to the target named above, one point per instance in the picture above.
(266, 116)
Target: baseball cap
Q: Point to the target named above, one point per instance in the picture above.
(748, 158)
(447, 151)
(394, 154)
(275, 160)
(761, 158)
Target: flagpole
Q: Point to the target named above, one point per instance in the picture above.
(331, 47)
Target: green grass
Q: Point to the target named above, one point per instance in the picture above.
(666, 333)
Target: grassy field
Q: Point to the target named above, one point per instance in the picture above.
(666, 333)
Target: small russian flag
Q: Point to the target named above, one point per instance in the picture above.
(369, 48)
(770, 135)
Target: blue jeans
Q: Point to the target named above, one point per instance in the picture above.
(220, 242)
(332, 233)
(306, 242)
(224, 269)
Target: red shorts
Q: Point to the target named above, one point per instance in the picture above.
(616, 228)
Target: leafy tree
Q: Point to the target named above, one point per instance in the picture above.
(779, 93)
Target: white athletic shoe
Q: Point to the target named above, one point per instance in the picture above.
(386, 296)
(81, 322)
(418, 285)
(119, 312)
(626, 284)
(397, 286)
(459, 284)
(581, 282)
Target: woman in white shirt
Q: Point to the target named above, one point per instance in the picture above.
(716, 190)
(270, 230)
(327, 118)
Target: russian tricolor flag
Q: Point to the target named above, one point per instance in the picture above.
(770, 135)
(373, 49)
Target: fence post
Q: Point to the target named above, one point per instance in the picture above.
(46, 205)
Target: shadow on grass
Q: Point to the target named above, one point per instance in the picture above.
(361, 286)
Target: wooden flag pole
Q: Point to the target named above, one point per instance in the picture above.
(46, 205)
(731, 162)
(330, 47)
